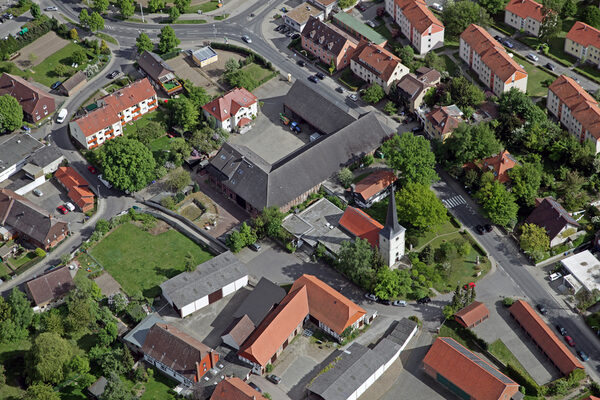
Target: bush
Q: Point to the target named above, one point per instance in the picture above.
(260, 60)
(40, 253)
(345, 177)
(416, 319)
(508, 301)
(269, 368)
(368, 160)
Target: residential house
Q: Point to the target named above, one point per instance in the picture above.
(465, 374)
(412, 88)
(298, 16)
(545, 338)
(232, 388)
(417, 23)
(51, 287)
(33, 174)
(73, 84)
(204, 56)
(14, 151)
(442, 121)
(328, 43)
(78, 189)
(177, 354)
(30, 221)
(582, 42)
(114, 110)
(374, 64)
(358, 29)
(498, 164)
(234, 111)
(360, 225)
(262, 299)
(576, 110)
(161, 75)
(557, 222)
(583, 272)
(490, 61)
(135, 338)
(208, 283)
(36, 103)
(325, 5)
(524, 15)
(472, 315)
(372, 188)
(354, 370)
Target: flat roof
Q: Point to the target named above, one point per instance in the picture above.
(359, 27)
(585, 267)
(301, 13)
(204, 53)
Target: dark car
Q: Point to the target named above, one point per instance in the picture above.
(498, 38)
(295, 36)
(582, 355)
(254, 246)
(320, 75)
(386, 302)
(26, 128)
(92, 169)
(278, 28)
(480, 229)
(361, 7)
(508, 44)
(55, 85)
(313, 78)
(424, 300)
(253, 386)
(488, 227)
(562, 330)
(339, 89)
(550, 66)
(113, 74)
(301, 63)
(542, 309)
(274, 378)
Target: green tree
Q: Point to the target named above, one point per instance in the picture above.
(373, 94)
(149, 132)
(156, 5)
(569, 9)
(419, 207)
(52, 321)
(73, 34)
(571, 191)
(345, 177)
(459, 15)
(526, 179)
(100, 5)
(40, 391)
(235, 241)
(248, 234)
(412, 157)
(11, 113)
(591, 16)
(197, 94)
(20, 309)
(434, 61)
(182, 5)
(48, 358)
(174, 14)
(355, 261)
(391, 284)
(35, 11)
(498, 203)
(190, 263)
(62, 70)
(79, 57)
(80, 364)
(115, 389)
(231, 65)
(84, 17)
(493, 6)
(95, 22)
(183, 113)
(464, 93)
(268, 223)
(40, 252)
(241, 78)
(178, 179)
(82, 311)
(471, 142)
(127, 163)
(550, 26)
(390, 108)
(126, 8)
(534, 240)
(143, 43)
(343, 4)
(168, 40)
(407, 55)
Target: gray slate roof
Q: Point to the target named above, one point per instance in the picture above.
(402, 331)
(260, 301)
(45, 156)
(263, 184)
(16, 148)
(316, 110)
(550, 215)
(97, 388)
(208, 277)
(137, 336)
(154, 65)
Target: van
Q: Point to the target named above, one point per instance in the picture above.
(62, 114)
(555, 276)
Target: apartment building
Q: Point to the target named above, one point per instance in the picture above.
(492, 64)
(525, 15)
(576, 109)
(420, 26)
(374, 64)
(36, 103)
(583, 42)
(328, 43)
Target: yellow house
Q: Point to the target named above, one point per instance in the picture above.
(204, 56)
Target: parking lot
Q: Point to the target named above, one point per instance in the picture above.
(55, 195)
(12, 26)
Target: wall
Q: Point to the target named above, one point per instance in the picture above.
(30, 186)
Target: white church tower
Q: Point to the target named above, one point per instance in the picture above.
(391, 237)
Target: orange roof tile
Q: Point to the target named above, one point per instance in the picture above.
(276, 328)
(584, 34)
(584, 108)
(97, 120)
(328, 305)
(544, 337)
(420, 16)
(492, 54)
(130, 95)
(224, 107)
(77, 187)
(499, 165)
(443, 120)
(235, 389)
(374, 183)
(472, 313)
(376, 59)
(361, 225)
(525, 9)
(467, 371)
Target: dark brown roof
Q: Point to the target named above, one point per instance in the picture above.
(412, 85)
(472, 313)
(154, 65)
(235, 389)
(175, 349)
(240, 329)
(545, 337)
(326, 36)
(74, 80)
(30, 97)
(550, 215)
(50, 286)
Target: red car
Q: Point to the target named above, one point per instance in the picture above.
(570, 341)
(92, 169)
(63, 209)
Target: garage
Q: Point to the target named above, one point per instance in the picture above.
(218, 295)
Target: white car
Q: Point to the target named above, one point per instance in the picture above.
(53, 8)
(62, 114)
(555, 276)
(437, 7)
(70, 206)
(353, 97)
(371, 24)
(532, 57)
(246, 39)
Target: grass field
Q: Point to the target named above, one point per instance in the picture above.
(535, 77)
(450, 65)
(11, 356)
(141, 261)
(162, 143)
(502, 353)
(156, 116)
(20, 261)
(44, 72)
(204, 7)
(258, 73)
(158, 387)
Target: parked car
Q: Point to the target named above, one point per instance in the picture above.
(62, 209)
(488, 227)
(353, 97)
(424, 300)
(38, 192)
(302, 63)
(278, 28)
(562, 330)
(542, 309)
(53, 8)
(582, 355)
(26, 128)
(70, 206)
(255, 387)
(399, 303)
(92, 169)
(498, 38)
(371, 297)
(246, 39)
(437, 7)
(555, 276)
(570, 341)
(254, 246)
(274, 379)
(295, 36)
(371, 24)
(55, 85)
(385, 302)
(320, 75)
(313, 78)
(113, 74)
(62, 114)
(283, 9)
(339, 89)
(550, 66)
(532, 57)
(508, 43)
(480, 229)
(361, 7)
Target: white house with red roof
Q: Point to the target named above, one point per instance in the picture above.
(524, 15)
(234, 111)
(374, 64)
(583, 42)
(420, 26)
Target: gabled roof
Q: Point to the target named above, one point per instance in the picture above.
(154, 65)
(550, 215)
(276, 328)
(28, 95)
(45, 156)
(260, 301)
(420, 16)
(412, 85)
(207, 278)
(525, 9)
(326, 36)
(374, 183)
(467, 371)
(101, 118)
(176, 349)
(492, 54)
(137, 336)
(240, 329)
(361, 225)
(472, 313)
(74, 80)
(328, 305)
(445, 119)
(222, 108)
(584, 34)
(376, 59)
(235, 389)
(50, 286)
(499, 164)
(130, 95)
(584, 108)
(360, 27)
(544, 337)
(76, 185)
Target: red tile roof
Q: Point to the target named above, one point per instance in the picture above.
(499, 165)
(374, 183)
(224, 107)
(30, 98)
(235, 389)
(243, 121)
(328, 305)
(376, 59)
(584, 34)
(544, 337)
(467, 371)
(471, 314)
(525, 9)
(443, 120)
(77, 187)
(492, 53)
(420, 16)
(50, 286)
(584, 108)
(361, 225)
(130, 95)
(97, 120)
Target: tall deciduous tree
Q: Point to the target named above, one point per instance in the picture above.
(471, 142)
(182, 5)
(156, 5)
(101, 5)
(591, 16)
(127, 8)
(392, 283)
(184, 113)
(498, 203)
(419, 207)
(127, 163)
(458, 16)
(95, 22)
(412, 157)
(550, 26)
(493, 6)
(84, 17)
(48, 358)
(11, 113)
(464, 93)
(526, 179)
(35, 10)
(40, 391)
(143, 43)
(168, 40)
(569, 9)
(355, 261)
(534, 240)
(373, 94)
(116, 389)
(174, 14)
(178, 179)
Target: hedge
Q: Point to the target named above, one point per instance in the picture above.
(531, 387)
(260, 60)
(36, 30)
(170, 54)
(25, 266)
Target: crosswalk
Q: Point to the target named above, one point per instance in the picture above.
(454, 201)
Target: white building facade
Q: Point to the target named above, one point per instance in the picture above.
(417, 23)
(524, 15)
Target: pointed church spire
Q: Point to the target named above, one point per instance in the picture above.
(391, 221)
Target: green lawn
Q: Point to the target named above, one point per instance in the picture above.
(450, 65)
(204, 7)
(4, 270)
(158, 387)
(107, 38)
(156, 116)
(11, 356)
(189, 21)
(535, 77)
(257, 72)
(589, 71)
(22, 260)
(162, 143)
(44, 72)
(502, 353)
(139, 260)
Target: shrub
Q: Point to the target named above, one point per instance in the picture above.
(345, 177)
(508, 301)
(368, 160)
(531, 387)
(269, 368)
(416, 319)
(40, 253)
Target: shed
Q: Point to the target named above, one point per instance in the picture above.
(73, 84)
(97, 388)
(204, 56)
(472, 315)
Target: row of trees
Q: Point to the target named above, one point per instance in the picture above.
(168, 41)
